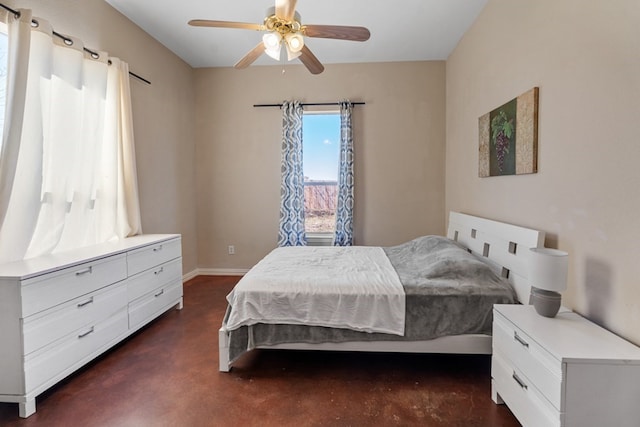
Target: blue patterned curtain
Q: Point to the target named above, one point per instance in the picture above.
(292, 184)
(344, 208)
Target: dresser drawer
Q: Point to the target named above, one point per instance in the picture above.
(149, 280)
(73, 350)
(48, 326)
(151, 305)
(49, 290)
(521, 396)
(150, 256)
(535, 363)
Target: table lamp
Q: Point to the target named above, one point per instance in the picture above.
(548, 277)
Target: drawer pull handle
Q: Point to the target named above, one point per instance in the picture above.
(520, 340)
(87, 270)
(90, 331)
(519, 381)
(87, 302)
(159, 293)
(159, 271)
(159, 248)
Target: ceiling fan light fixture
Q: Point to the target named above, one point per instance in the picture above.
(291, 55)
(274, 53)
(272, 40)
(295, 42)
(272, 43)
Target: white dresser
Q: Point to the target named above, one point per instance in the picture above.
(58, 312)
(563, 371)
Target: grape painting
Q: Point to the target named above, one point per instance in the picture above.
(503, 137)
(508, 137)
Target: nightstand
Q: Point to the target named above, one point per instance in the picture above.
(563, 371)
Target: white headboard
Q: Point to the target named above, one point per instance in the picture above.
(504, 245)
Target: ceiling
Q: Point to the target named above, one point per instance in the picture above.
(401, 30)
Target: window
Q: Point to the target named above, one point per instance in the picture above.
(321, 157)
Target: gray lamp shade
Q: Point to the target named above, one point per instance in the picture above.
(548, 269)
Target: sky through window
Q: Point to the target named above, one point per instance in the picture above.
(321, 139)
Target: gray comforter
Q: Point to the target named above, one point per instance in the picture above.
(448, 292)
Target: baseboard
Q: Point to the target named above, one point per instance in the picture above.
(221, 271)
(190, 275)
(213, 272)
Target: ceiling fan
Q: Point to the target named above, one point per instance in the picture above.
(282, 27)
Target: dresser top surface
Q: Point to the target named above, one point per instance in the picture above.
(25, 269)
(571, 337)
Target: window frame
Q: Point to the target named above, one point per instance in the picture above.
(320, 238)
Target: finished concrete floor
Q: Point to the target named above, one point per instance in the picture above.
(167, 375)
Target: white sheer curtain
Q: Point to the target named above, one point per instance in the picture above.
(67, 162)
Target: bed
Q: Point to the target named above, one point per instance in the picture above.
(429, 295)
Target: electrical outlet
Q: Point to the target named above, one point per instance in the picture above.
(232, 250)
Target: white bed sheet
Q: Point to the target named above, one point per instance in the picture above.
(339, 287)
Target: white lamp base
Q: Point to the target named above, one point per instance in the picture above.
(546, 303)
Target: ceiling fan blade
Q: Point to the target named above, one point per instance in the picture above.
(250, 57)
(310, 61)
(286, 9)
(341, 32)
(225, 24)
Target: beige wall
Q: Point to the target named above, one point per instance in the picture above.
(585, 57)
(399, 142)
(582, 55)
(162, 112)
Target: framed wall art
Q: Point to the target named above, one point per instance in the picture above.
(509, 137)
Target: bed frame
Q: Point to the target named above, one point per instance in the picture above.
(504, 246)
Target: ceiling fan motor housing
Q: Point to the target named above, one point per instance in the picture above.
(273, 23)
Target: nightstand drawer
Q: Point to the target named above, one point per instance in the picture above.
(522, 397)
(51, 325)
(148, 257)
(535, 363)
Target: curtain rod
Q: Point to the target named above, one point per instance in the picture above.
(69, 42)
(305, 104)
